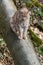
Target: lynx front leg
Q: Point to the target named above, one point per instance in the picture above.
(25, 33)
(20, 32)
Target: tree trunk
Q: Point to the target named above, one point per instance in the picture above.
(21, 50)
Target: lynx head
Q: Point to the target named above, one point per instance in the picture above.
(24, 11)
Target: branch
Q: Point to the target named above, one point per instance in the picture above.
(21, 50)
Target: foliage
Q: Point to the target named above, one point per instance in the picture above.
(40, 50)
(38, 11)
(29, 3)
(35, 3)
(35, 38)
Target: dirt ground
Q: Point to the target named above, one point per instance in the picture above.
(5, 56)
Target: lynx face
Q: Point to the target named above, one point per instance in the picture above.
(20, 22)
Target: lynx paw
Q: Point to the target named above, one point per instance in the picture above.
(20, 37)
(25, 37)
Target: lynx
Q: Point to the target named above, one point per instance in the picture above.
(20, 22)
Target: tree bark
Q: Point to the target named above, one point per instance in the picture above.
(21, 50)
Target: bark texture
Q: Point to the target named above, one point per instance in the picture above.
(21, 50)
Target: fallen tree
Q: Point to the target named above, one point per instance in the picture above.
(21, 50)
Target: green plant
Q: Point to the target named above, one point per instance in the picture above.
(40, 50)
(35, 38)
(29, 3)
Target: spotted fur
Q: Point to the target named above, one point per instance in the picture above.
(20, 22)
